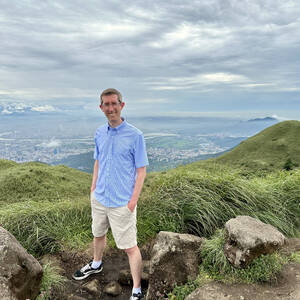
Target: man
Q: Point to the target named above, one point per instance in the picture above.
(118, 177)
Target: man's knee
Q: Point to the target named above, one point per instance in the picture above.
(100, 238)
(131, 250)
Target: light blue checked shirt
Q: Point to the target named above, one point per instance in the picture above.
(120, 151)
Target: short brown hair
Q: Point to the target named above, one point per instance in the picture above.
(111, 91)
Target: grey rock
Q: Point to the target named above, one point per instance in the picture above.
(174, 260)
(20, 272)
(92, 286)
(209, 292)
(113, 288)
(248, 238)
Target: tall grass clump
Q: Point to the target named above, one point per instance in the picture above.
(199, 202)
(51, 279)
(43, 227)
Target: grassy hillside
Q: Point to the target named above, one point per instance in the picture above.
(38, 182)
(45, 207)
(48, 207)
(268, 150)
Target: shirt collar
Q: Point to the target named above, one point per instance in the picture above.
(118, 127)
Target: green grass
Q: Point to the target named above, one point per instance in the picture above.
(44, 227)
(51, 279)
(40, 182)
(216, 267)
(194, 199)
(268, 150)
(263, 269)
(201, 201)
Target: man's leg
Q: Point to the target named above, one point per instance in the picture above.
(135, 262)
(99, 246)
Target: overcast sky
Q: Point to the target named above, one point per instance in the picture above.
(206, 57)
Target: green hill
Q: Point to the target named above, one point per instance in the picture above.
(38, 182)
(268, 150)
(47, 207)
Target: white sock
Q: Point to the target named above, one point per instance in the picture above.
(96, 264)
(136, 290)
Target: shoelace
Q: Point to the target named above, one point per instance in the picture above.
(86, 267)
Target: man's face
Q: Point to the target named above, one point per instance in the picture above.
(111, 107)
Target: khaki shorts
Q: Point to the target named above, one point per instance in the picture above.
(121, 220)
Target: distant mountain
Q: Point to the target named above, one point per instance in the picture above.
(85, 162)
(268, 150)
(266, 119)
(13, 109)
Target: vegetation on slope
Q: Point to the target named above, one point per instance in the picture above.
(268, 150)
(196, 201)
(40, 182)
(201, 201)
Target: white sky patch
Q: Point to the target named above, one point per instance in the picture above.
(280, 118)
(112, 30)
(223, 77)
(153, 100)
(254, 85)
(45, 108)
(203, 36)
(179, 83)
(170, 88)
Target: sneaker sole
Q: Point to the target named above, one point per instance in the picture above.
(87, 275)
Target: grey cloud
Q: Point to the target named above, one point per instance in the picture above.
(73, 48)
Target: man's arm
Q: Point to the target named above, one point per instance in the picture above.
(95, 175)
(141, 175)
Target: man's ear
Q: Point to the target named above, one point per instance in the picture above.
(122, 105)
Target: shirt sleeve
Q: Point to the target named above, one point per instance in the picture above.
(140, 153)
(96, 151)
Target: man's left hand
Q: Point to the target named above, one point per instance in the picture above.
(131, 205)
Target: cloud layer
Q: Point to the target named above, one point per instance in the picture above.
(216, 55)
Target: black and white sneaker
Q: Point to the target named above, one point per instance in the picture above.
(136, 296)
(86, 271)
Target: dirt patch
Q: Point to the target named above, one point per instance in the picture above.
(114, 261)
(286, 287)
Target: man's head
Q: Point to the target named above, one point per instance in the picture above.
(111, 91)
(112, 105)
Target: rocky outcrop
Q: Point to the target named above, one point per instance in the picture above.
(174, 260)
(20, 272)
(248, 238)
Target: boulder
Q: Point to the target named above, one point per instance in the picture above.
(20, 272)
(92, 287)
(174, 260)
(212, 291)
(248, 238)
(113, 288)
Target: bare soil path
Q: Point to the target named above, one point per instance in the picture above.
(287, 286)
